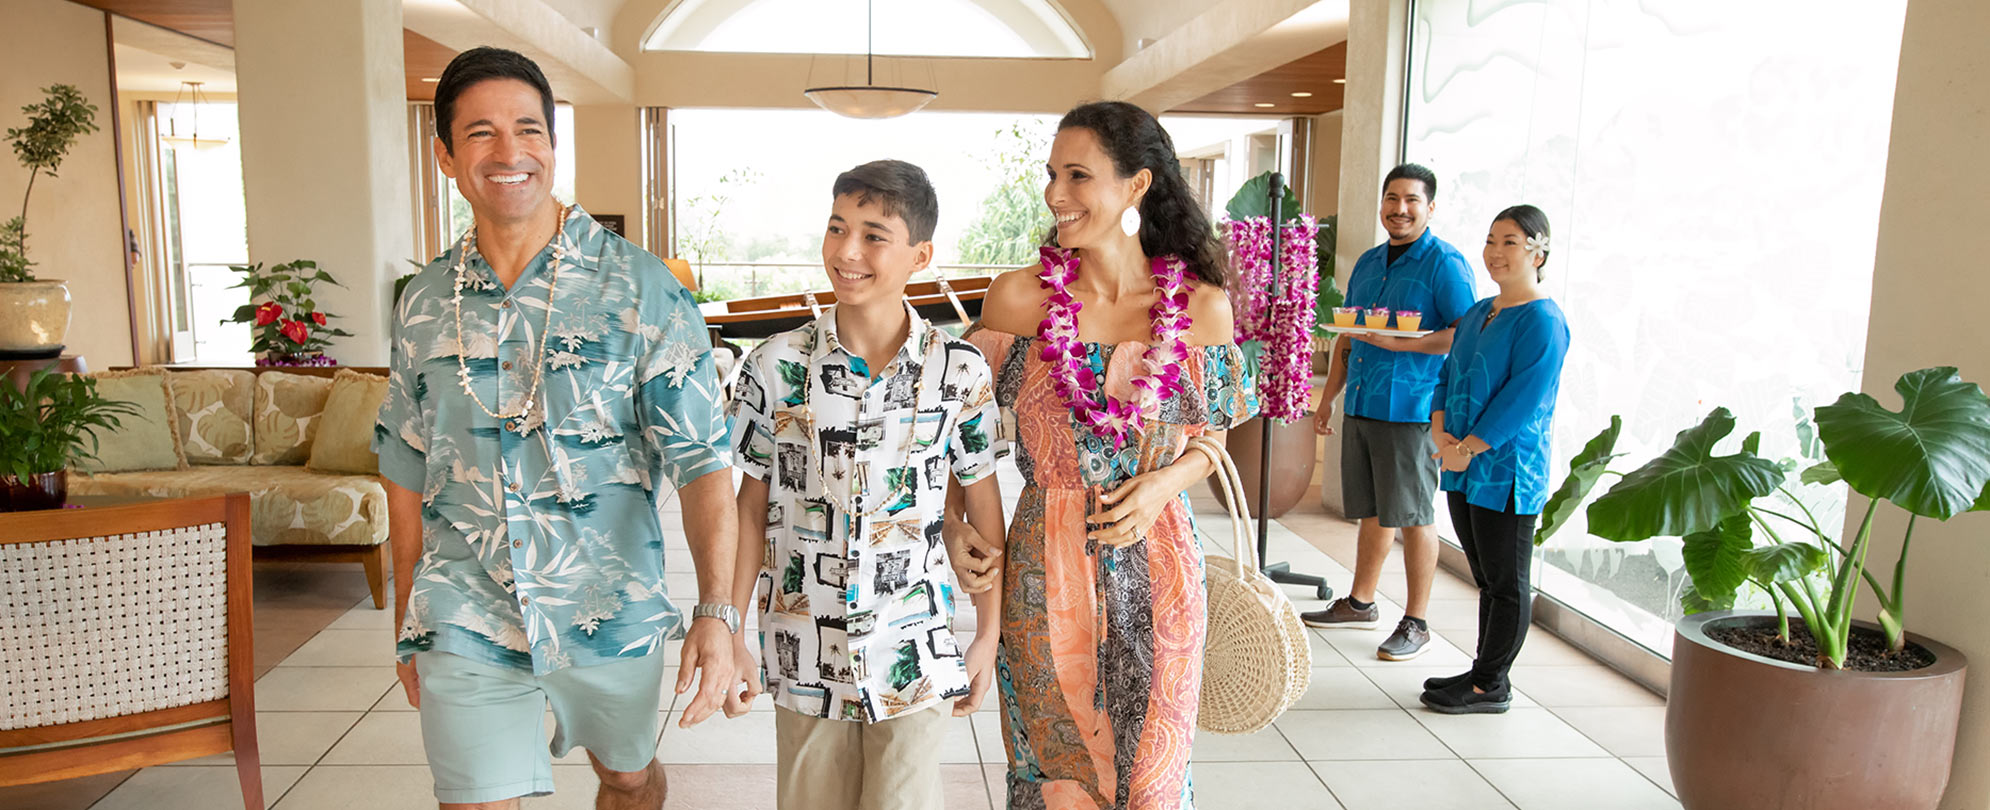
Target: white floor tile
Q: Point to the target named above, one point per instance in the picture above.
(1519, 733)
(1436, 784)
(1573, 784)
(1342, 688)
(1358, 646)
(1360, 734)
(382, 738)
(1624, 731)
(361, 787)
(345, 648)
(1404, 684)
(289, 738)
(364, 617)
(988, 738)
(748, 739)
(1253, 785)
(1266, 745)
(1656, 769)
(314, 689)
(197, 788)
(1593, 685)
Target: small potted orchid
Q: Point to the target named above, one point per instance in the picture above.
(289, 328)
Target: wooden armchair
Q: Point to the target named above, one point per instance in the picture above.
(125, 639)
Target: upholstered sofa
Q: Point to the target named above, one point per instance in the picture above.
(296, 442)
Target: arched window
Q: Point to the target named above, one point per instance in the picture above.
(1016, 29)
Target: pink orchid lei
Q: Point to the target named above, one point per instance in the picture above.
(1108, 417)
(1283, 327)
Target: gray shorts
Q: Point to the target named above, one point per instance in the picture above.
(1387, 472)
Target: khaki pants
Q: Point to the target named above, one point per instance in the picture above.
(850, 765)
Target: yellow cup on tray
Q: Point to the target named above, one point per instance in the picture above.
(1346, 316)
(1377, 318)
(1408, 320)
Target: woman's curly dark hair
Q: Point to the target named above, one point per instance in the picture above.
(1171, 222)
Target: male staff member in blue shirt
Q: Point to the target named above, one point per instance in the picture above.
(1388, 475)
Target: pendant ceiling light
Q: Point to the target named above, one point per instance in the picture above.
(868, 100)
(192, 139)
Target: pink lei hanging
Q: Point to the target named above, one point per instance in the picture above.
(1108, 417)
(1283, 327)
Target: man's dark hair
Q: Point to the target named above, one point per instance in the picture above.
(1412, 171)
(900, 188)
(479, 65)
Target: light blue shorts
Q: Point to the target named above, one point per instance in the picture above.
(483, 726)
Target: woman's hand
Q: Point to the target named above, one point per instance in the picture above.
(1135, 506)
(1453, 457)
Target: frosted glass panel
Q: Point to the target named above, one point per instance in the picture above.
(1713, 172)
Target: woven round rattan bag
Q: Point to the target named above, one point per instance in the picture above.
(1256, 660)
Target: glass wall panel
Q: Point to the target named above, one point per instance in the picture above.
(1713, 173)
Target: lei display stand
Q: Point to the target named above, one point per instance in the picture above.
(1279, 572)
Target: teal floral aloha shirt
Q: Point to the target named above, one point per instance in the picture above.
(541, 545)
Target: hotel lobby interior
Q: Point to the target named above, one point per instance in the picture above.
(1759, 207)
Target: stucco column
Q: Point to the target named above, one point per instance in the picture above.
(1370, 141)
(607, 161)
(1927, 290)
(325, 153)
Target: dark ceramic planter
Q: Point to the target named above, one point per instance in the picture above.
(1291, 461)
(40, 491)
(1744, 731)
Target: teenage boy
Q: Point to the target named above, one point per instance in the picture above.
(1388, 464)
(847, 429)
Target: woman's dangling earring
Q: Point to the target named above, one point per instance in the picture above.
(1129, 221)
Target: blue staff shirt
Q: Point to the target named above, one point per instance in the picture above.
(1431, 278)
(1499, 384)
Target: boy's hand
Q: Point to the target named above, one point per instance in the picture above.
(980, 675)
(977, 563)
(739, 699)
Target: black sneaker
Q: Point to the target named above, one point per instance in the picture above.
(1339, 613)
(1446, 682)
(1406, 643)
(1459, 698)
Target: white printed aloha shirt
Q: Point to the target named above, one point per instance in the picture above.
(857, 615)
(541, 546)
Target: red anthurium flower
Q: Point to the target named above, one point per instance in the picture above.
(268, 313)
(296, 331)
(318, 317)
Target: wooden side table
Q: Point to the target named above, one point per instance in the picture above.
(125, 638)
(17, 371)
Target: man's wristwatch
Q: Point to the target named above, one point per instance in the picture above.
(722, 612)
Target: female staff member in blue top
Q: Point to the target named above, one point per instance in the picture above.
(1497, 390)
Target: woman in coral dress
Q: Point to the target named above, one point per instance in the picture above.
(1103, 621)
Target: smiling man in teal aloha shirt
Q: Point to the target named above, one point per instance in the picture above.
(550, 383)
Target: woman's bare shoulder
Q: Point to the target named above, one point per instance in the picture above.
(1013, 301)
(1209, 311)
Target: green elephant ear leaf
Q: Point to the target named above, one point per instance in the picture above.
(1823, 472)
(1784, 562)
(1932, 457)
(1714, 557)
(1686, 489)
(1691, 601)
(1254, 200)
(1983, 502)
(1585, 470)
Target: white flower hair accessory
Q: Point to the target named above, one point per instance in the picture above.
(1537, 244)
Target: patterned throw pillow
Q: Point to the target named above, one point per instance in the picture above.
(144, 440)
(287, 410)
(344, 443)
(214, 408)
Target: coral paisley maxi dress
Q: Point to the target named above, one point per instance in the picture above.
(1100, 672)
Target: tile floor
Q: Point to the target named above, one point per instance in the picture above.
(336, 733)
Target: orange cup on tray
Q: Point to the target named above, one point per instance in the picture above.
(1377, 318)
(1347, 316)
(1408, 320)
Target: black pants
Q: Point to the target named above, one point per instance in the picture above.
(1500, 548)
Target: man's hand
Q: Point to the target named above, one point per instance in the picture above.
(410, 682)
(980, 674)
(746, 677)
(708, 653)
(1323, 417)
(977, 562)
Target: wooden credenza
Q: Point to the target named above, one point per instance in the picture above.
(125, 638)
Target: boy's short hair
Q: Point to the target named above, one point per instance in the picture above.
(900, 188)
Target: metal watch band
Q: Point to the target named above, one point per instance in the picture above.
(722, 612)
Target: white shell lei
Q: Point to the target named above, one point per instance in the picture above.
(539, 366)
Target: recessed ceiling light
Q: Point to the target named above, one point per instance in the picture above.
(1340, 81)
(1302, 94)
(1266, 104)
(431, 80)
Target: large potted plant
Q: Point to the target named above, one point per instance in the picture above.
(34, 313)
(1814, 710)
(289, 328)
(45, 426)
(1276, 335)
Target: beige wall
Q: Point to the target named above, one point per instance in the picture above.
(74, 230)
(1927, 281)
(1323, 186)
(608, 164)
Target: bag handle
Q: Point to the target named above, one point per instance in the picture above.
(1243, 533)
